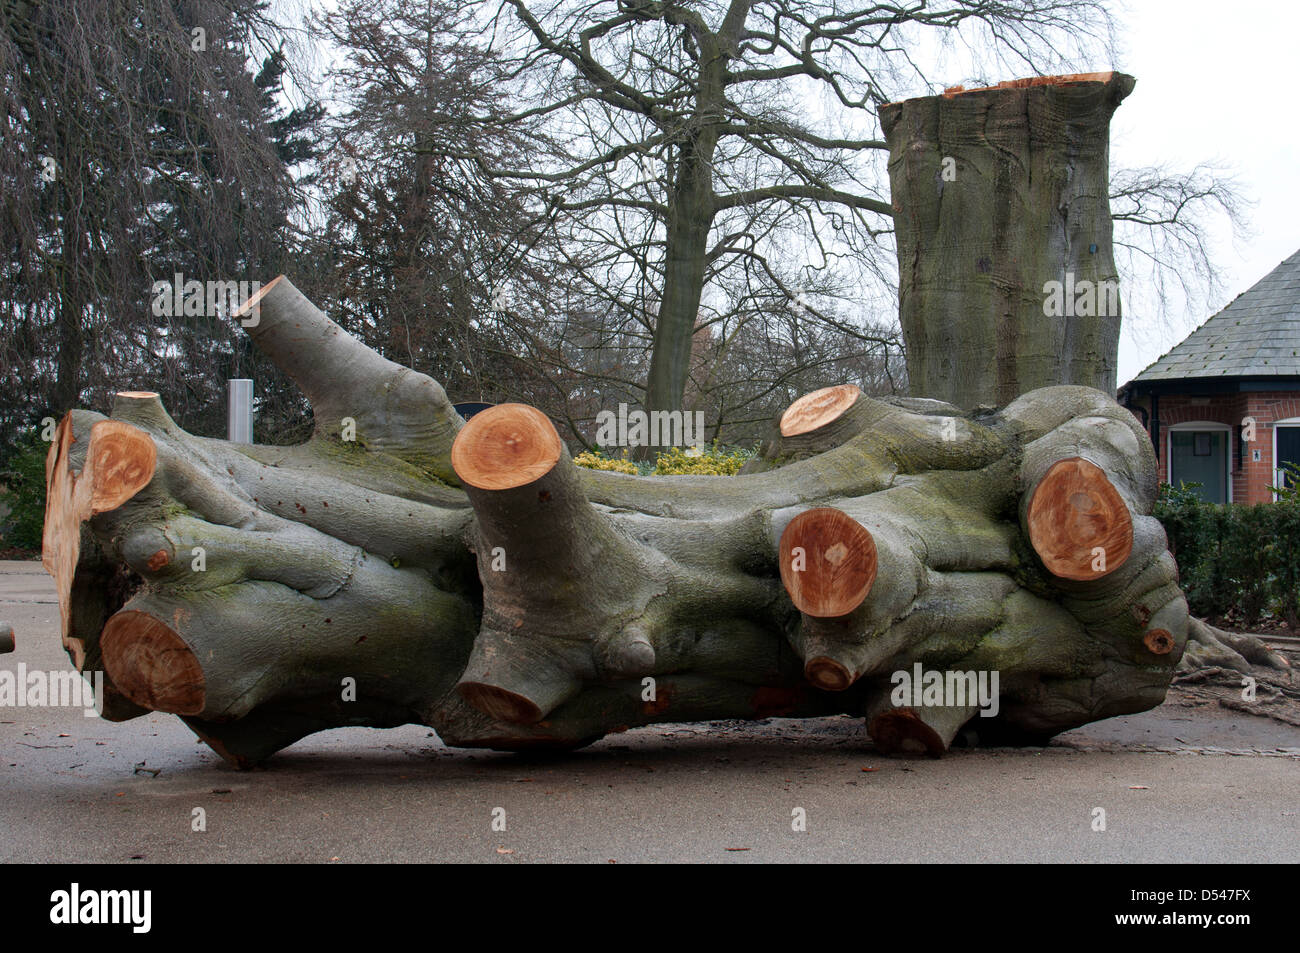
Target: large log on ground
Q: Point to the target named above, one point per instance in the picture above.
(469, 577)
(998, 192)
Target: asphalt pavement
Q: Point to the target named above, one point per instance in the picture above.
(1177, 785)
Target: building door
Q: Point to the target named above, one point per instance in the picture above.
(1287, 445)
(1200, 456)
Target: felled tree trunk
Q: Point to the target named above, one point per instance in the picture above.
(996, 193)
(404, 566)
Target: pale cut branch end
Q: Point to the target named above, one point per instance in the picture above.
(828, 562)
(506, 446)
(817, 409)
(1078, 524)
(151, 664)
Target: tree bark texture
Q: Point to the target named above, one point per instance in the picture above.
(997, 192)
(470, 577)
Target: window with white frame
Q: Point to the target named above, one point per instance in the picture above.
(1286, 450)
(1199, 454)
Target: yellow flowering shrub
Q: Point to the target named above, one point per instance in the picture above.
(676, 461)
(594, 460)
(710, 461)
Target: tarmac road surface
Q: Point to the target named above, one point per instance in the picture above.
(1176, 785)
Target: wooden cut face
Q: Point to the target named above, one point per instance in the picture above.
(120, 461)
(506, 446)
(152, 665)
(818, 409)
(1078, 523)
(828, 562)
(1159, 641)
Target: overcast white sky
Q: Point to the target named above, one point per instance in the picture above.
(1214, 81)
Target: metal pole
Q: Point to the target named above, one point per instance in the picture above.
(239, 415)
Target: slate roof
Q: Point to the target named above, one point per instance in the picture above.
(1257, 335)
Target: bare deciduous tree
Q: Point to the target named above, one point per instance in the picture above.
(135, 143)
(729, 136)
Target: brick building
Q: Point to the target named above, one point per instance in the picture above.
(1238, 372)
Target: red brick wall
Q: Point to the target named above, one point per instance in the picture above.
(1266, 407)
(1250, 480)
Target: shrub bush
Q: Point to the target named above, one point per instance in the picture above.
(1236, 561)
(712, 460)
(23, 479)
(595, 460)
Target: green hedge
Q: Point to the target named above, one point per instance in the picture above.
(1236, 561)
(22, 477)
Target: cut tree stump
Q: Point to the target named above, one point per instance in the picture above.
(997, 192)
(405, 566)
